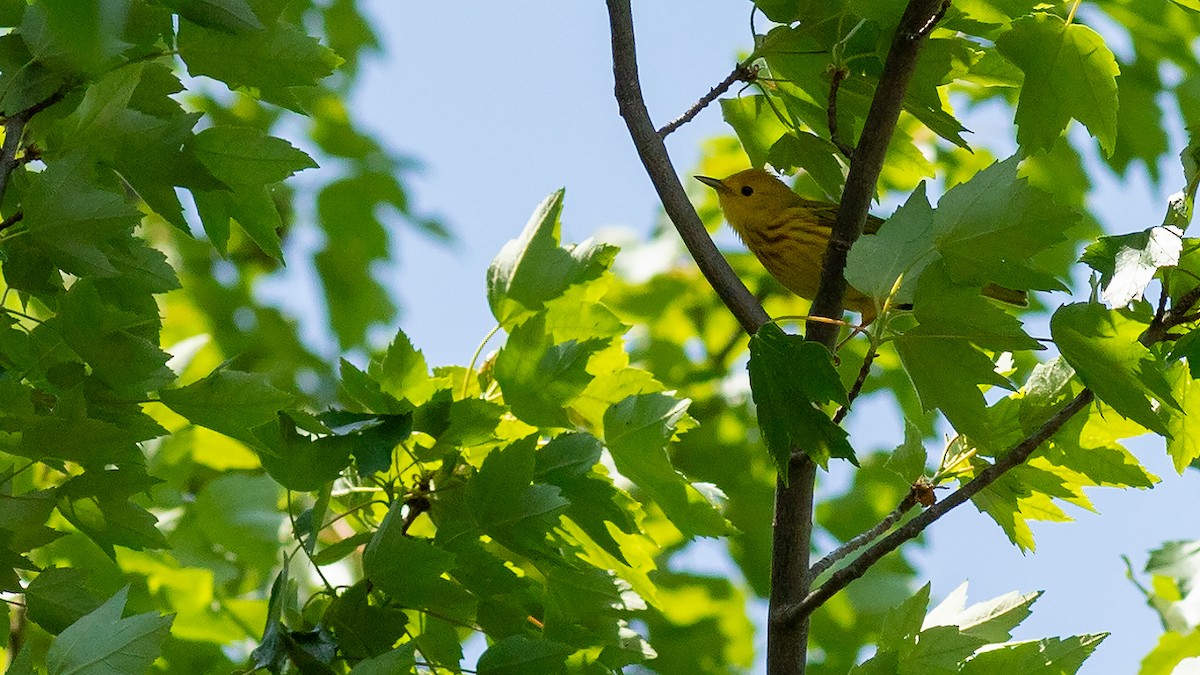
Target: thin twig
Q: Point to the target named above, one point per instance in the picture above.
(742, 72)
(856, 388)
(653, 153)
(11, 220)
(909, 501)
(841, 578)
(838, 74)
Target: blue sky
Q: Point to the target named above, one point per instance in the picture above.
(505, 102)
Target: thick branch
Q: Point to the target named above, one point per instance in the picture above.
(741, 73)
(787, 643)
(841, 578)
(14, 130)
(919, 18)
(653, 154)
(787, 632)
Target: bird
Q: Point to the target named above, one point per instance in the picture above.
(789, 234)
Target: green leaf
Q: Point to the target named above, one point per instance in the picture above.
(230, 16)
(756, 125)
(410, 569)
(908, 459)
(372, 437)
(102, 642)
(1188, 347)
(943, 60)
(24, 82)
(506, 504)
(58, 597)
(1102, 346)
(229, 401)
(109, 340)
(399, 660)
(1050, 655)
(364, 628)
(240, 513)
(956, 310)
(813, 154)
(254, 209)
(567, 462)
(72, 35)
(339, 550)
(403, 372)
(247, 156)
(637, 431)
(992, 620)
(1140, 130)
(903, 623)
(903, 247)
(533, 269)
(518, 654)
(69, 217)
(790, 379)
(271, 651)
(1019, 496)
(305, 464)
(272, 59)
(954, 391)
(367, 392)
(539, 378)
(714, 610)
(1069, 72)
(990, 229)
(350, 211)
(1183, 443)
(98, 503)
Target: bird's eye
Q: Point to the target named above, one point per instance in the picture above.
(747, 190)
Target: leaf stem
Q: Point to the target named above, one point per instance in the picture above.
(475, 357)
(1071, 15)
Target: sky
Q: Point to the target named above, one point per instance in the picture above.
(505, 102)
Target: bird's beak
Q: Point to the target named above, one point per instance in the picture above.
(714, 183)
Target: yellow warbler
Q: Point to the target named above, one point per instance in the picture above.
(788, 234)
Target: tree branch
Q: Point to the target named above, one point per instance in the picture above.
(13, 219)
(838, 74)
(857, 387)
(909, 501)
(653, 154)
(743, 72)
(787, 642)
(787, 630)
(918, 20)
(14, 129)
(841, 578)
